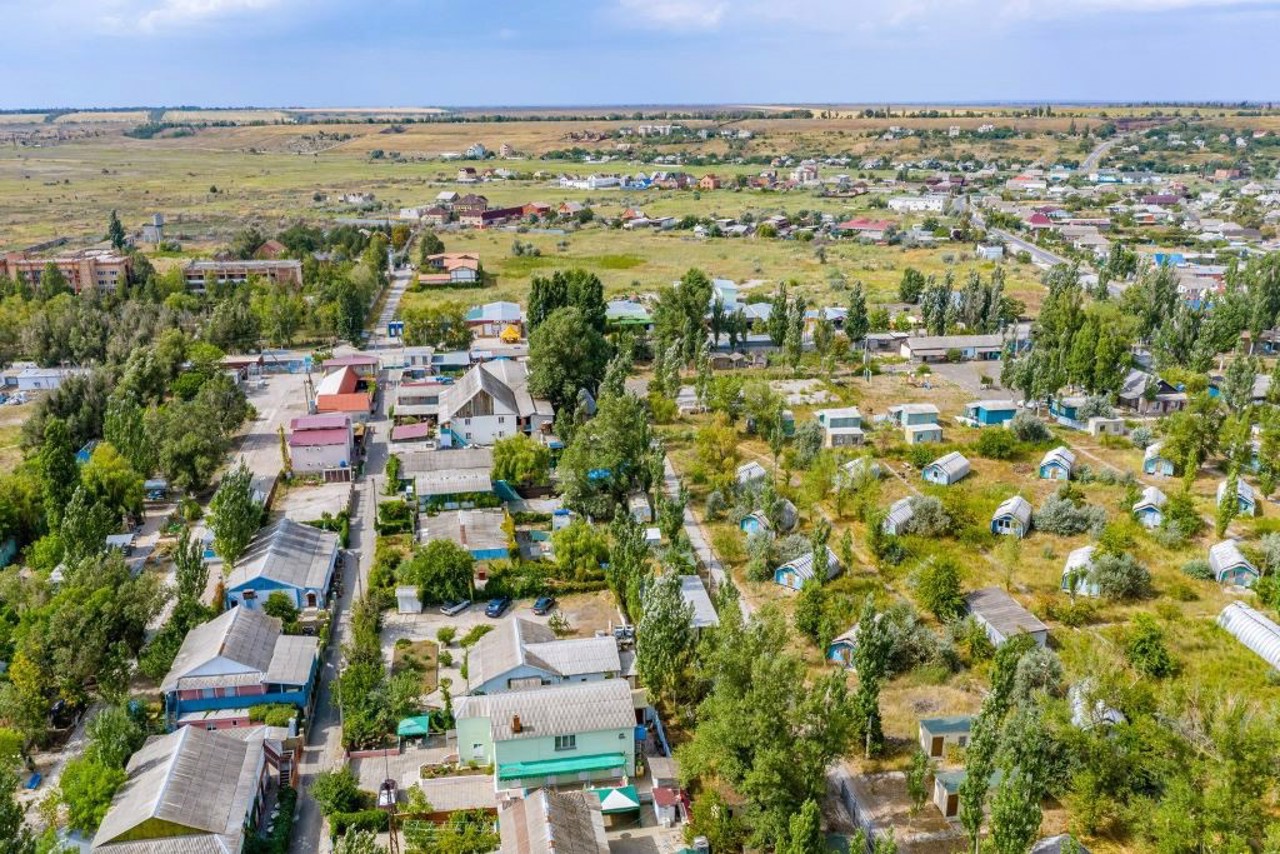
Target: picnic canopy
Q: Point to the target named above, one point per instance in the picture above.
(415, 727)
(618, 799)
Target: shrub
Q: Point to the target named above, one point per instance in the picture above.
(1095, 407)
(336, 791)
(930, 518)
(477, 631)
(1120, 577)
(996, 445)
(716, 505)
(1142, 437)
(937, 584)
(790, 547)
(1179, 510)
(446, 635)
(446, 658)
(1071, 614)
(1059, 515)
(1198, 568)
(1026, 427)
(1180, 592)
(1145, 648)
(372, 820)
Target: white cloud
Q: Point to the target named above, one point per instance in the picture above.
(675, 14)
(172, 14)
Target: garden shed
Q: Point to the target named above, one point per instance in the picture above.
(947, 469)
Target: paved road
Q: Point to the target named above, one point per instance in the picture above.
(1094, 157)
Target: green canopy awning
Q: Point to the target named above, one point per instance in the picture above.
(556, 767)
(418, 725)
(618, 799)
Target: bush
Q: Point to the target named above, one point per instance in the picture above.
(1059, 515)
(1142, 437)
(715, 505)
(478, 631)
(1095, 407)
(372, 820)
(930, 518)
(1120, 577)
(937, 584)
(336, 791)
(1146, 650)
(446, 658)
(446, 635)
(1198, 568)
(996, 444)
(1071, 614)
(274, 714)
(1026, 427)
(278, 841)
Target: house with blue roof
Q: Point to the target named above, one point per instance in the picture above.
(937, 734)
(794, 573)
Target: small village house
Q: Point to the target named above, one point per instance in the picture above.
(794, 573)
(938, 734)
(1077, 572)
(1149, 509)
(840, 650)
(479, 531)
(750, 473)
(551, 822)
(1058, 464)
(365, 366)
(490, 402)
(948, 469)
(987, 413)
(290, 558)
(496, 319)
(919, 434)
(840, 427)
(341, 392)
(946, 791)
(1230, 566)
(322, 444)
(520, 654)
(561, 735)
(900, 513)
(1246, 496)
(756, 522)
(946, 348)
(1155, 463)
(1002, 618)
(1013, 517)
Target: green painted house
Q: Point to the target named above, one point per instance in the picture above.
(555, 736)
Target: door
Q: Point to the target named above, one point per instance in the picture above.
(935, 747)
(953, 805)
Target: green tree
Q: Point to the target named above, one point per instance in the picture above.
(1015, 814)
(580, 550)
(234, 515)
(442, 571)
(280, 605)
(15, 835)
(429, 243)
(115, 231)
(87, 787)
(112, 482)
(779, 316)
(804, 834)
(114, 734)
(912, 285)
(53, 282)
(358, 842)
(59, 474)
(86, 525)
(601, 464)
(1237, 383)
(440, 325)
(125, 428)
(567, 354)
(665, 637)
(810, 606)
(629, 563)
(1146, 649)
(336, 791)
(937, 584)
(521, 460)
(872, 648)
(917, 780)
(856, 322)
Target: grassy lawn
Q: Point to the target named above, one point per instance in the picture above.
(421, 657)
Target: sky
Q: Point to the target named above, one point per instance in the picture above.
(328, 53)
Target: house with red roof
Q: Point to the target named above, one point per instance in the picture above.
(343, 391)
(322, 443)
(872, 229)
(452, 268)
(1038, 221)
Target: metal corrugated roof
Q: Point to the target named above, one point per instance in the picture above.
(1017, 507)
(289, 552)
(240, 635)
(1253, 630)
(570, 709)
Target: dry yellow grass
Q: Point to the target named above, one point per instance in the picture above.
(105, 117)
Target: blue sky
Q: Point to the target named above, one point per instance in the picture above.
(95, 53)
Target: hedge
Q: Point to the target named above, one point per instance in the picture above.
(374, 820)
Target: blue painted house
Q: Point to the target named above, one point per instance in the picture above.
(1230, 566)
(1155, 463)
(756, 523)
(1246, 496)
(907, 414)
(947, 469)
(1066, 411)
(238, 660)
(840, 650)
(1149, 509)
(988, 413)
(1058, 464)
(287, 557)
(1012, 517)
(794, 573)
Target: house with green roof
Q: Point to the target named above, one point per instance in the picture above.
(937, 734)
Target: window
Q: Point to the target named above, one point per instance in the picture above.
(566, 742)
(502, 419)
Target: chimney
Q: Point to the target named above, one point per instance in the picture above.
(516, 726)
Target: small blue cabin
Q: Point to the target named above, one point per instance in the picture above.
(1156, 464)
(1230, 566)
(1058, 464)
(906, 414)
(1246, 498)
(947, 469)
(794, 573)
(1066, 410)
(988, 413)
(1149, 509)
(840, 650)
(756, 523)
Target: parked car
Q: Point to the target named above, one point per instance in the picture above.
(453, 609)
(497, 607)
(544, 605)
